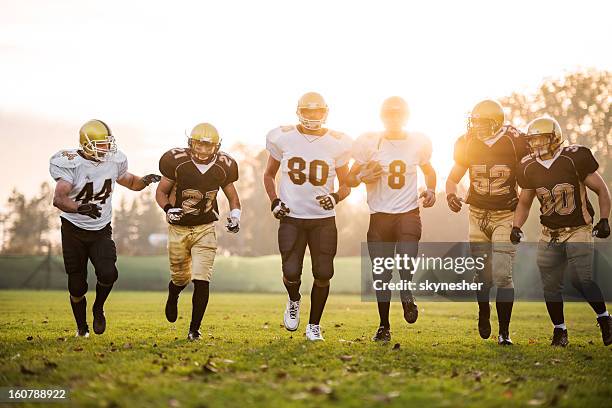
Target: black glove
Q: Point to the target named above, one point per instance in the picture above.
(516, 235)
(279, 209)
(454, 202)
(150, 178)
(94, 210)
(602, 229)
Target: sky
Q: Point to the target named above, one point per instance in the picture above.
(153, 69)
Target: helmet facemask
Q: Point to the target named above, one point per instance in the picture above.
(543, 145)
(482, 128)
(312, 118)
(202, 150)
(100, 150)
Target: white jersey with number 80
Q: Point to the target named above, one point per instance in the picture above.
(92, 182)
(308, 167)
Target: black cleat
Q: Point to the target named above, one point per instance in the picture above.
(559, 337)
(194, 335)
(605, 324)
(172, 309)
(382, 334)
(411, 311)
(484, 325)
(82, 332)
(504, 338)
(99, 321)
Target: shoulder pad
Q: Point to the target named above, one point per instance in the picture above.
(573, 148)
(224, 154)
(66, 159)
(287, 128)
(526, 159)
(512, 131)
(337, 135)
(119, 157)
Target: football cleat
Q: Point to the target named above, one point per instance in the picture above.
(171, 308)
(484, 325)
(291, 318)
(504, 338)
(605, 324)
(559, 337)
(82, 332)
(99, 321)
(194, 335)
(382, 334)
(313, 332)
(411, 311)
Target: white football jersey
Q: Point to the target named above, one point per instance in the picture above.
(396, 190)
(308, 167)
(92, 182)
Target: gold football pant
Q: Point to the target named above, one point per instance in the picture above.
(191, 250)
(489, 234)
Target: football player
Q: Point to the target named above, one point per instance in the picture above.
(85, 183)
(491, 152)
(386, 162)
(309, 157)
(559, 177)
(188, 195)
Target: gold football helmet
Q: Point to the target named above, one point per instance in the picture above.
(544, 137)
(204, 142)
(312, 111)
(96, 140)
(394, 113)
(486, 119)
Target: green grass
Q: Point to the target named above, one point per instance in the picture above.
(440, 361)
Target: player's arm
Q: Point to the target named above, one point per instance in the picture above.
(429, 195)
(521, 213)
(162, 193)
(136, 183)
(61, 199)
(269, 178)
(232, 196)
(595, 182)
(329, 201)
(353, 178)
(452, 181)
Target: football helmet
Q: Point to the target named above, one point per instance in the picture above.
(96, 140)
(544, 137)
(486, 119)
(394, 113)
(312, 111)
(204, 142)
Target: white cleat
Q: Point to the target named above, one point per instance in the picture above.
(82, 332)
(313, 333)
(291, 318)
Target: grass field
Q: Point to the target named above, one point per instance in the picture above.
(246, 358)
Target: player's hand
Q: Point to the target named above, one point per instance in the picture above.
(429, 198)
(371, 172)
(454, 202)
(328, 201)
(602, 229)
(233, 225)
(174, 215)
(150, 178)
(279, 209)
(516, 235)
(90, 209)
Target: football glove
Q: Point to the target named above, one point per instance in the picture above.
(174, 215)
(150, 178)
(516, 235)
(233, 221)
(602, 229)
(429, 198)
(93, 210)
(279, 209)
(454, 202)
(329, 201)
(371, 172)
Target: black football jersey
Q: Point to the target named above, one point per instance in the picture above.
(560, 188)
(196, 192)
(492, 168)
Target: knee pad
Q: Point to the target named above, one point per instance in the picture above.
(287, 282)
(321, 283)
(108, 276)
(75, 299)
(323, 268)
(77, 285)
(180, 280)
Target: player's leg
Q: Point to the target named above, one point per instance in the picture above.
(501, 266)
(480, 246)
(322, 238)
(580, 253)
(179, 256)
(407, 235)
(203, 254)
(381, 245)
(74, 251)
(292, 246)
(103, 255)
(552, 261)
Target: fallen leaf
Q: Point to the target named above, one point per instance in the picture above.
(127, 346)
(396, 346)
(78, 348)
(29, 338)
(346, 358)
(26, 371)
(321, 389)
(507, 394)
(174, 403)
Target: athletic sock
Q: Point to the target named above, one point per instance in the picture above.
(199, 301)
(555, 311)
(604, 314)
(175, 290)
(102, 293)
(561, 326)
(503, 304)
(293, 290)
(79, 310)
(383, 312)
(318, 297)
